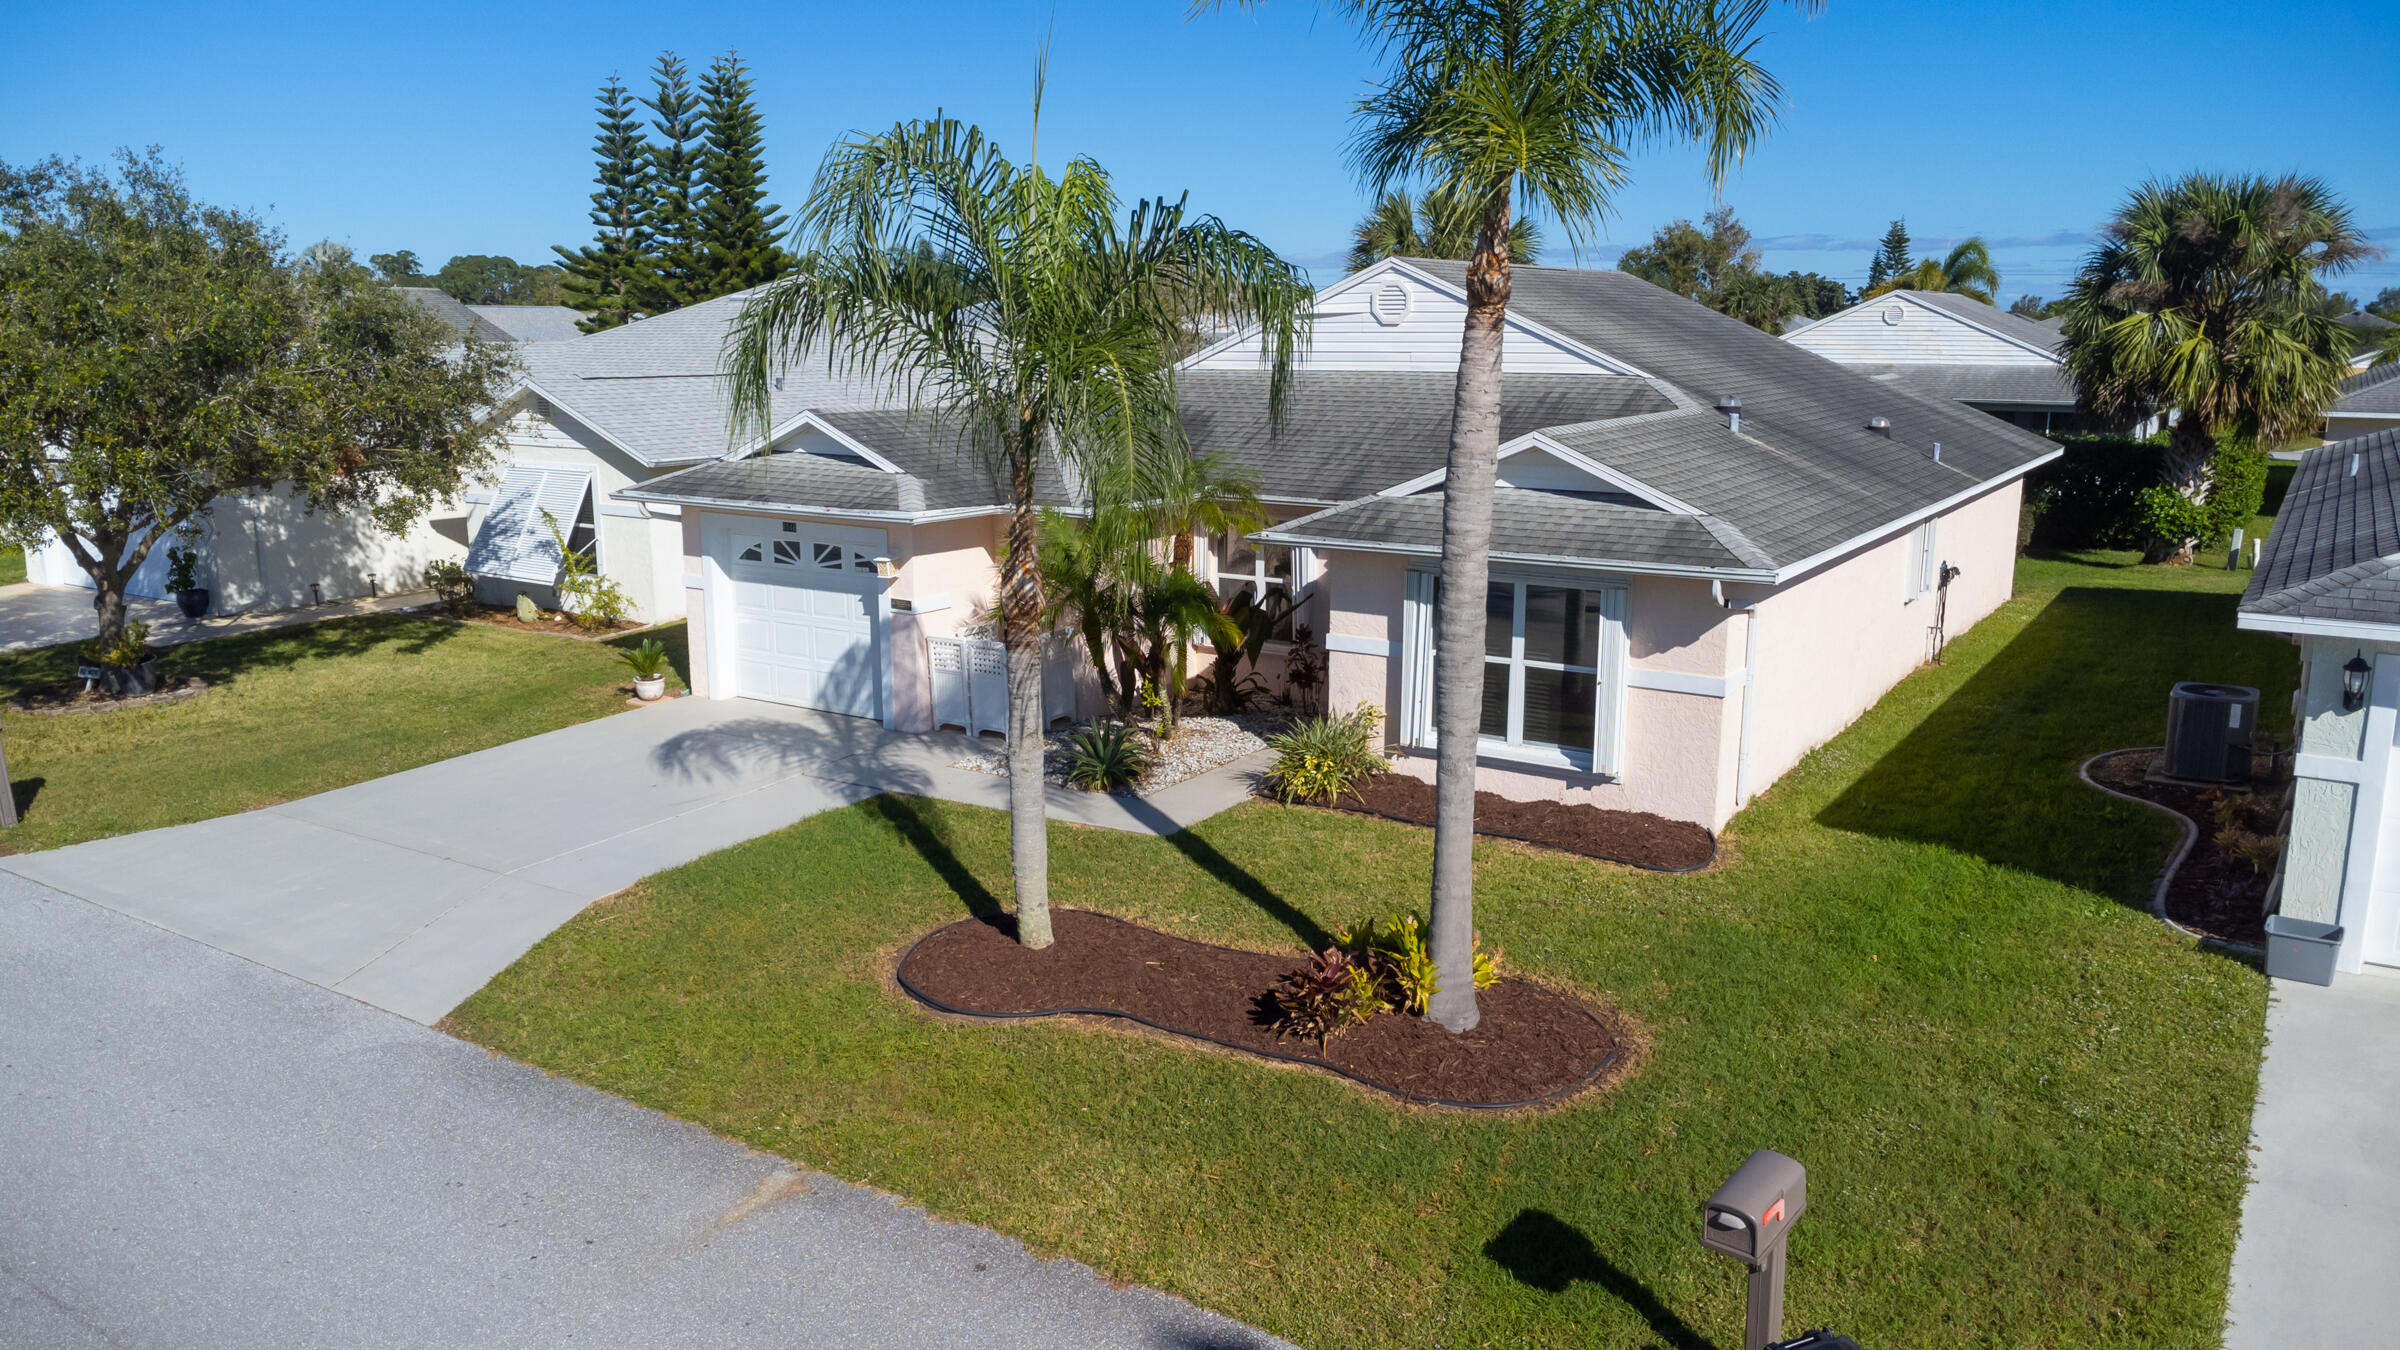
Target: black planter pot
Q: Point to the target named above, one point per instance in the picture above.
(193, 602)
(125, 681)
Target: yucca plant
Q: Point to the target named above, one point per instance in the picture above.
(1106, 757)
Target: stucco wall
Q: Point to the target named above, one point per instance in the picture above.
(2317, 854)
(1832, 642)
(637, 548)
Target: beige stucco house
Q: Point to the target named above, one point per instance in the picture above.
(1688, 595)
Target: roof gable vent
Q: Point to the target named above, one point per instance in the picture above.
(1390, 305)
(1894, 314)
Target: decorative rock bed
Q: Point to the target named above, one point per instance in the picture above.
(1535, 1045)
(1200, 744)
(72, 698)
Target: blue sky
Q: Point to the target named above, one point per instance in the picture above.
(465, 128)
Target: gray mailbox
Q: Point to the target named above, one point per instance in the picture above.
(1749, 1217)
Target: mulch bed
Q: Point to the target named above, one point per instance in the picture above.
(2213, 893)
(1635, 838)
(552, 622)
(1534, 1045)
(71, 698)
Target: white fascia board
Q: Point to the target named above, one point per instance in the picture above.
(2351, 630)
(1324, 543)
(1388, 267)
(635, 494)
(2338, 411)
(529, 387)
(1535, 440)
(1938, 312)
(1893, 527)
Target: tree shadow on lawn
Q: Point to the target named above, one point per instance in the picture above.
(1990, 770)
(1546, 1252)
(224, 660)
(1229, 873)
(929, 835)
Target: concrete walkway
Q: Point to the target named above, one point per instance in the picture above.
(2320, 1244)
(203, 1154)
(45, 616)
(410, 892)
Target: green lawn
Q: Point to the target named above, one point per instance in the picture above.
(292, 711)
(1923, 971)
(12, 564)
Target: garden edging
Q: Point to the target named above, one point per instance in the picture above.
(2182, 849)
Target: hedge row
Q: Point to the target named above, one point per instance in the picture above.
(2099, 494)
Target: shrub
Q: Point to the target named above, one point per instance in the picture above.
(183, 569)
(1319, 758)
(1332, 993)
(2105, 492)
(1395, 952)
(594, 601)
(131, 648)
(453, 590)
(1105, 758)
(648, 661)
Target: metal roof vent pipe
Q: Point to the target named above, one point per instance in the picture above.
(1732, 408)
(1881, 426)
(1937, 452)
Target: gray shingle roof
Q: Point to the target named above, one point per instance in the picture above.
(1528, 527)
(462, 320)
(532, 323)
(2335, 550)
(1346, 434)
(653, 386)
(940, 472)
(2373, 390)
(1805, 474)
(1981, 384)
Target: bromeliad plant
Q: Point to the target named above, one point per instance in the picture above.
(1334, 992)
(128, 649)
(1395, 950)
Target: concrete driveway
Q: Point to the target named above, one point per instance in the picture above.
(2319, 1246)
(410, 892)
(202, 1153)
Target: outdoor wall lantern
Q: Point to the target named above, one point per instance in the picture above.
(886, 569)
(2354, 682)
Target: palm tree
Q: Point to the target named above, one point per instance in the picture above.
(1967, 271)
(1490, 99)
(1031, 317)
(2204, 297)
(1205, 494)
(1439, 225)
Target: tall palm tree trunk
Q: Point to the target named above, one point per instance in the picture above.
(2190, 448)
(1459, 624)
(1021, 634)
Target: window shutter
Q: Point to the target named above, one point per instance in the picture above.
(1416, 661)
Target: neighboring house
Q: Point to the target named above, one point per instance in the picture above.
(1684, 603)
(2330, 578)
(267, 550)
(2369, 402)
(2369, 332)
(607, 411)
(1954, 347)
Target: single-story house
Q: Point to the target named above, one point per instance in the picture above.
(2330, 578)
(2369, 402)
(267, 550)
(1713, 549)
(1954, 347)
(601, 412)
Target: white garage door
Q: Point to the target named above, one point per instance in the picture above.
(804, 617)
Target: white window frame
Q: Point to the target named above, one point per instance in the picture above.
(1923, 563)
(1259, 577)
(1605, 756)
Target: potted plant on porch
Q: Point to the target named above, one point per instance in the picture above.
(183, 578)
(126, 668)
(649, 664)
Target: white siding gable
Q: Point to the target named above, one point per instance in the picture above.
(1863, 336)
(1387, 319)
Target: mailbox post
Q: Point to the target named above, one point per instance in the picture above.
(1749, 1217)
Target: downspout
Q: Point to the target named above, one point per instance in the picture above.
(1741, 762)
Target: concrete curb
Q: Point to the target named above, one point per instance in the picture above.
(2183, 848)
